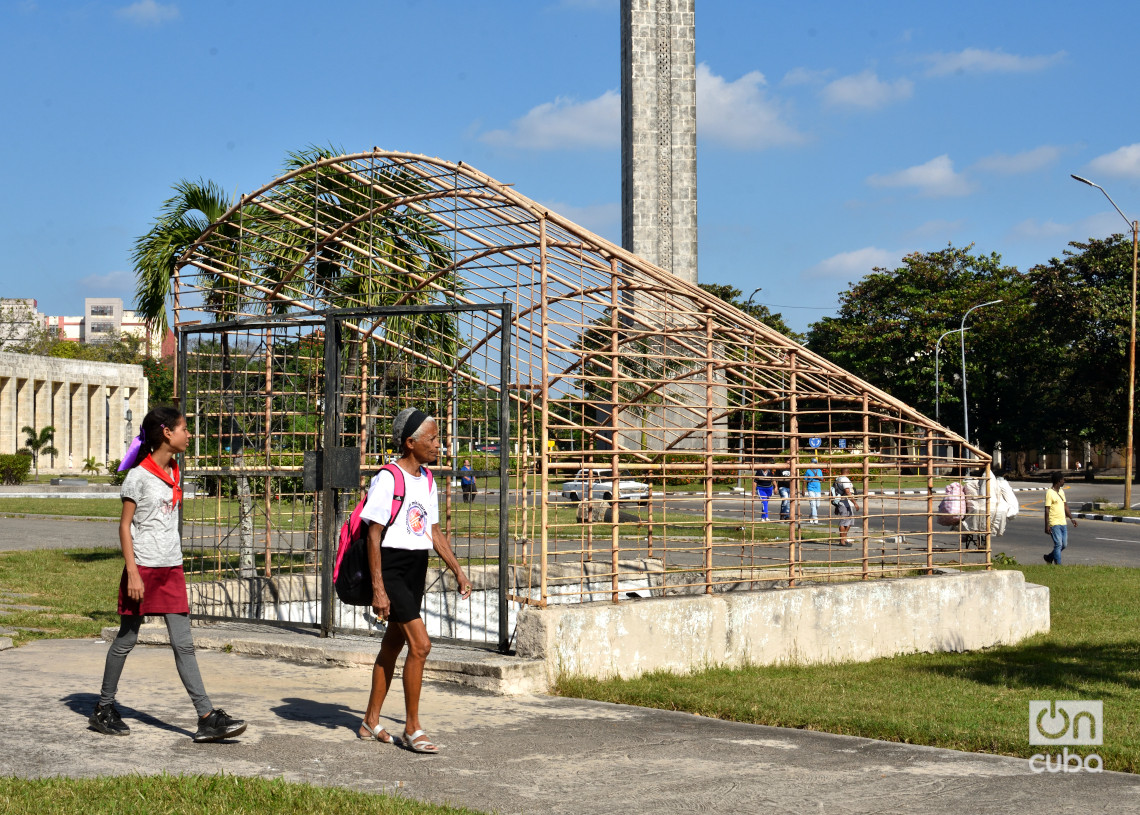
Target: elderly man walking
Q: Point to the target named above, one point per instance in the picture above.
(398, 550)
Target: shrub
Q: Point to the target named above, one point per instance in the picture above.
(117, 478)
(15, 469)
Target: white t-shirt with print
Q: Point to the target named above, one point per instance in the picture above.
(154, 527)
(416, 517)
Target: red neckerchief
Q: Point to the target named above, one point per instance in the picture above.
(152, 468)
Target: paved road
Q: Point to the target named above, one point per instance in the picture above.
(505, 754)
(1092, 542)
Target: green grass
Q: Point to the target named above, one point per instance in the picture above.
(79, 587)
(286, 514)
(194, 795)
(976, 701)
(83, 507)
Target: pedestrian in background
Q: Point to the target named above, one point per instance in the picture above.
(784, 486)
(1056, 513)
(467, 481)
(813, 490)
(844, 503)
(764, 486)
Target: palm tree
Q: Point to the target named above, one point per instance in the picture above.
(39, 443)
(90, 466)
(181, 221)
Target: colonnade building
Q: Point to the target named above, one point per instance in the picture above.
(86, 403)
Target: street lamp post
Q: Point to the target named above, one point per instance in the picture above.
(937, 350)
(1135, 226)
(965, 404)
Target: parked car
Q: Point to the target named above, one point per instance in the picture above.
(488, 448)
(600, 486)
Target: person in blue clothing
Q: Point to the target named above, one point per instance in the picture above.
(467, 481)
(765, 486)
(813, 489)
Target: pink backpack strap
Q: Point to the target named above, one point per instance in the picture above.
(398, 489)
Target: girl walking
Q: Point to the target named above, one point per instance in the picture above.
(153, 582)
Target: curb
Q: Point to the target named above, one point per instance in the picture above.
(468, 667)
(1097, 516)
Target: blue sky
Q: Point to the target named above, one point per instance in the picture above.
(833, 136)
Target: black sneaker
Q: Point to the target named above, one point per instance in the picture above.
(1048, 558)
(106, 720)
(218, 725)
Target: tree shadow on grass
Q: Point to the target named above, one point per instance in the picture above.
(94, 556)
(1063, 668)
(84, 703)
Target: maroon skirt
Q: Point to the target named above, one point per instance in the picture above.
(164, 592)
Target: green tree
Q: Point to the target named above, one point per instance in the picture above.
(39, 443)
(1082, 310)
(160, 380)
(182, 219)
(90, 465)
(761, 312)
(889, 322)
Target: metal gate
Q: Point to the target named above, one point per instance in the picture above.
(289, 419)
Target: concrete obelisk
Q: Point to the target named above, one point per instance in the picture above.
(659, 133)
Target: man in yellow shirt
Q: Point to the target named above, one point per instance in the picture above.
(1056, 511)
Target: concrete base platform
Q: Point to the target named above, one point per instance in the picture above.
(854, 621)
(468, 667)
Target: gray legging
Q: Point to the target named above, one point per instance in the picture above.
(178, 627)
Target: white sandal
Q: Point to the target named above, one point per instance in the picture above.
(377, 733)
(419, 742)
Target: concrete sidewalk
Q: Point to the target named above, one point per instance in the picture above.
(506, 754)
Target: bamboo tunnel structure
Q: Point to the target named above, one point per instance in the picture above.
(640, 407)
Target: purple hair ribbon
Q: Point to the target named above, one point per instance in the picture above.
(132, 451)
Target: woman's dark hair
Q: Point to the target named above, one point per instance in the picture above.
(151, 428)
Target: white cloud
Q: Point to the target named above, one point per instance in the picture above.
(565, 123)
(601, 219)
(936, 179)
(1024, 162)
(1122, 163)
(866, 91)
(848, 266)
(805, 76)
(740, 114)
(980, 61)
(149, 12)
(110, 282)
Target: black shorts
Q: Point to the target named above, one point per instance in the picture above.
(404, 571)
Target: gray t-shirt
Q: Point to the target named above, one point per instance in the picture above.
(154, 528)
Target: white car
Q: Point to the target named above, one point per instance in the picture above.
(600, 486)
